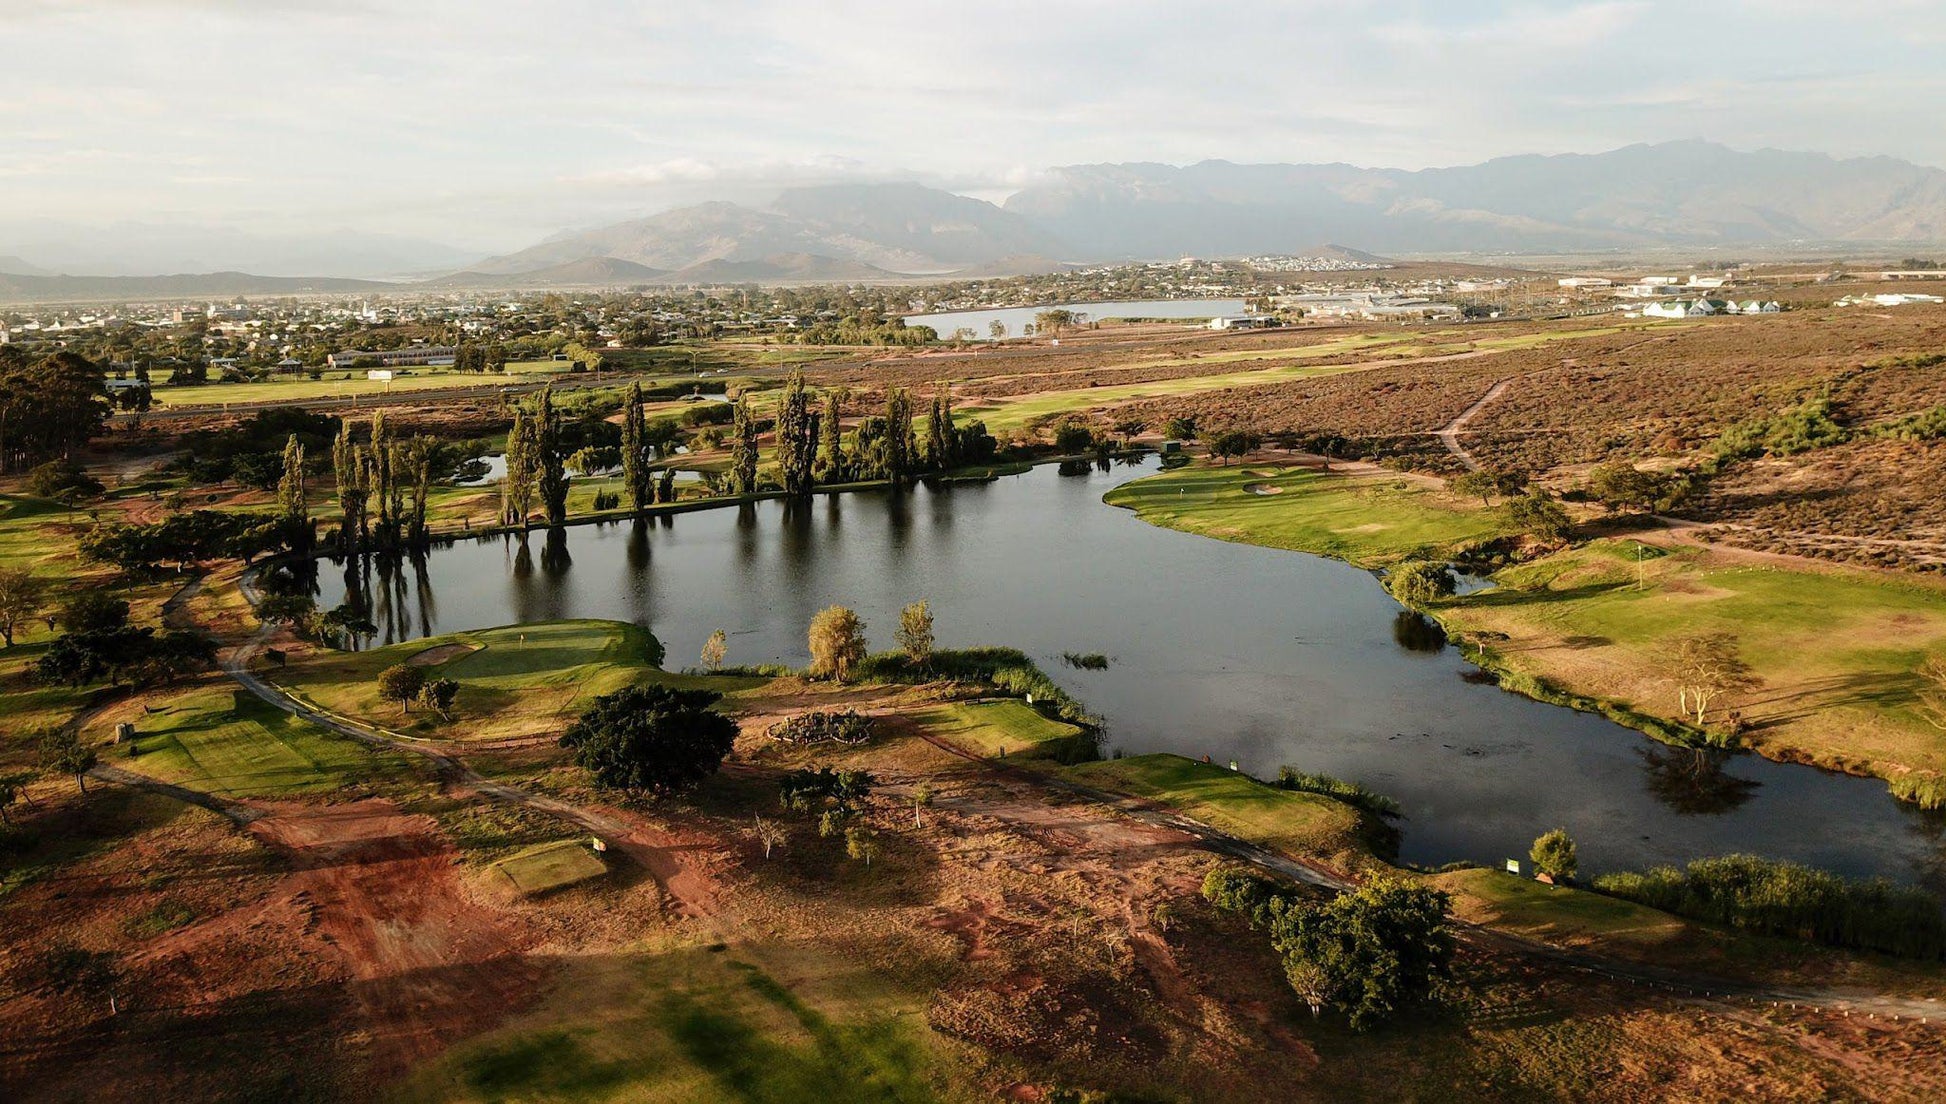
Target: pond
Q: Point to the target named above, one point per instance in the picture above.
(1016, 319)
(1236, 652)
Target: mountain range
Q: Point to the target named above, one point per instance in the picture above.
(1686, 194)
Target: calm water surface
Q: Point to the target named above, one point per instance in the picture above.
(1017, 318)
(1258, 655)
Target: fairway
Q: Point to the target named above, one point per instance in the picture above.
(1283, 820)
(996, 728)
(516, 681)
(551, 866)
(227, 742)
(1557, 914)
(1370, 521)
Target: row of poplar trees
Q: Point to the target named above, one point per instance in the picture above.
(811, 447)
(383, 484)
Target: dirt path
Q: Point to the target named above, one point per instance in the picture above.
(1449, 436)
(429, 965)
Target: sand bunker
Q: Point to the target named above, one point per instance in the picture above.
(1264, 488)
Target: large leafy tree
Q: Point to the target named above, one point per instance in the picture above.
(1375, 953)
(652, 738)
(48, 407)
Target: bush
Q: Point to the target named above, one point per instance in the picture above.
(1540, 515)
(847, 727)
(64, 480)
(1351, 793)
(652, 738)
(1244, 890)
(1554, 855)
(1781, 898)
(1007, 670)
(1375, 953)
(1419, 582)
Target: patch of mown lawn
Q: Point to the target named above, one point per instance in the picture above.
(1368, 521)
(222, 740)
(1231, 802)
(1007, 728)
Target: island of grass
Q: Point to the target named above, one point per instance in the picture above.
(515, 681)
(1007, 728)
(550, 866)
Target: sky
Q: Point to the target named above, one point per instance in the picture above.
(489, 125)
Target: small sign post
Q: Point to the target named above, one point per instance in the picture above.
(1513, 866)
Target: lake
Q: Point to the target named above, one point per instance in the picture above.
(1016, 319)
(1227, 650)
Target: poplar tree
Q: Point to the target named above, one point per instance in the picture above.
(743, 453)
(418, 456)
(797, 437)
(517, 485)
(900, 446)
(939, 431)
(553, 474)
(347, 467)
(290, 497)
(832, 464)
(666, 489)
(635, 459)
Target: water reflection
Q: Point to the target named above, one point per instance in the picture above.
(1244, 653)
(1415, 632)
(1692, 781)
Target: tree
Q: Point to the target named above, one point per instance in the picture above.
(292, 504)
(9, 793)
(49, 407)
(22, 594)
(832, 467)
(861, 843)
(1071, 437)
(401, 683)
(93, 611)
(1419, 582)
(1538, 514)
(837, 641)
(743, 450)
(547, 445)
(1180, 429)
(921, 800)
(1705, 667)
(997, 330)
(652, 738)
(770, 835)
(62, 750)
(901, 450)
(438, 694)
(1621, 486)
(1553, 855)
(635, 459)
(353, 492)
(915, 633)
(1932, 689)
(940, 453)
(797, 437)
(523, 465)
(65, 481)
(1375, 952)
(714, 650)
(1481, 483)
(1231, 443)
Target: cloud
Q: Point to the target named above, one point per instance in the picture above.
(494, 123)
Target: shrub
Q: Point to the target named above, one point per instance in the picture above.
(837, 642)
(1351, 793)
(1781, 898)
(847, 727)
(1554, 855)
(652, 738)
(1375, 953)
(1419, 582)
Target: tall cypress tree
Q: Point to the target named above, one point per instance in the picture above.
(553, 469)
(797, 437)
(939, 431)
(743, 453)
(635, 459)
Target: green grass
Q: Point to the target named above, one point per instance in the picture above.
(551, 866)
(690, 1026)
(520, 680)
(223, 741)
(1283, 820)
(1837, 650)
(1556, 914)
(1371, 522)
(994, 728)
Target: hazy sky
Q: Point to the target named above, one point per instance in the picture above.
(489, 124)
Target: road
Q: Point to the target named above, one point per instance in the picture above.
(1449, 436)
